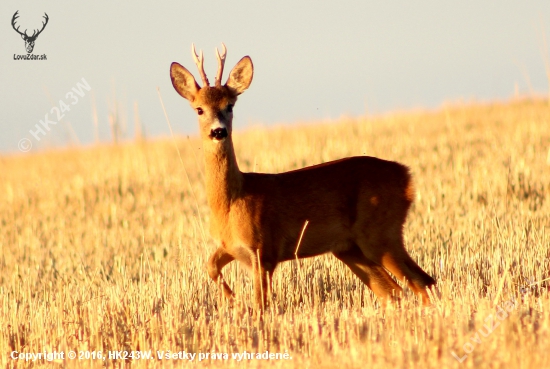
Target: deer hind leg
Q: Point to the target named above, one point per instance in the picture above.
(396, 259)
(403, 266)
(371, 273)
(217, 261)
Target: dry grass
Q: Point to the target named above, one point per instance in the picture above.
(105, 249)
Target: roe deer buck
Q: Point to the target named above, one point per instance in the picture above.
(356, 207)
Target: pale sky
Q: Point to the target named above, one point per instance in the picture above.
(312, 59)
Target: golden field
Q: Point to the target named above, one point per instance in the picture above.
(104, 249)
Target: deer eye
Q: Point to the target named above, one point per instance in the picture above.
(230, 108)
(200, 111)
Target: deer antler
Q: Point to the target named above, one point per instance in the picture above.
(35, 32)
(15, 16)
(43, 26)
(221, 63)
(199, 60)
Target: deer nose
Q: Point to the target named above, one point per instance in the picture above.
(218, 133)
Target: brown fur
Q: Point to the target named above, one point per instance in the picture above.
(356, 207)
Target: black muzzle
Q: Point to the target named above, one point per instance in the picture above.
(218, 134)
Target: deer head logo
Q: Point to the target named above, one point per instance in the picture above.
(29, 40)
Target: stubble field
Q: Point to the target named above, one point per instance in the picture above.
(104, 249)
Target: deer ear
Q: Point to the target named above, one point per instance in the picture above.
(23, 37)
(240, 77)
(184, 82)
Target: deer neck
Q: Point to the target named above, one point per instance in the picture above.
(223, 177)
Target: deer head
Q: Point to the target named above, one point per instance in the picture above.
(29, 40)
(213, 104)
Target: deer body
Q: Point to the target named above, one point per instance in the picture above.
(355, 207)
(341, 201)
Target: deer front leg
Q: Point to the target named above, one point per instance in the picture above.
(217, 261)
(263, 273)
